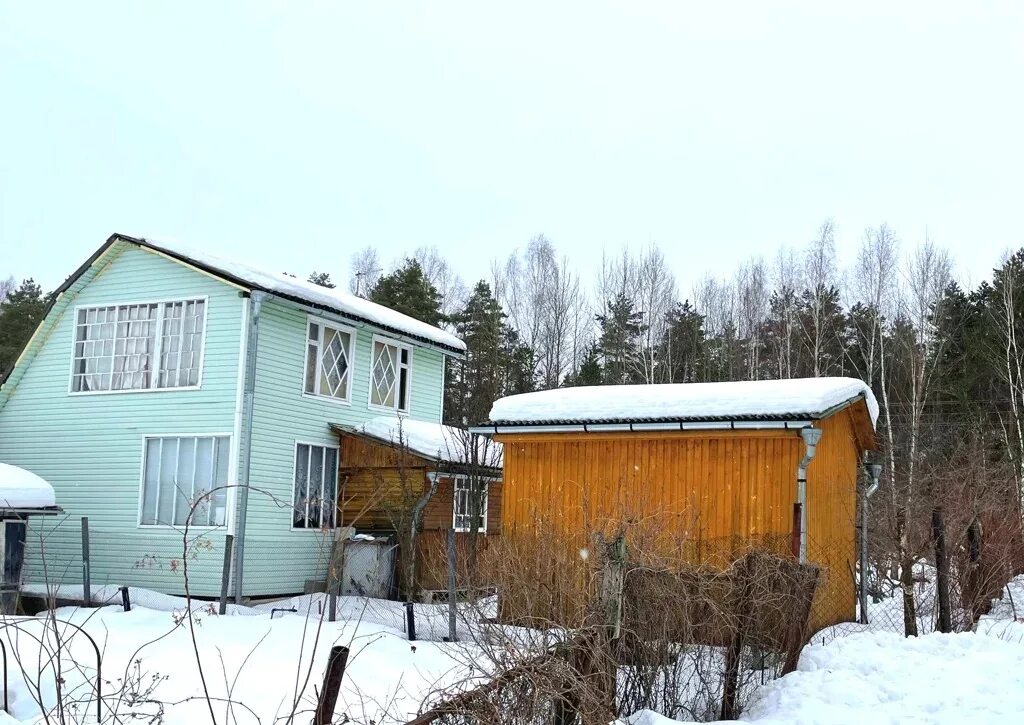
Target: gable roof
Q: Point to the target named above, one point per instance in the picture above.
(281, 285)
(794, 400)
(431, 441)
(299, 290)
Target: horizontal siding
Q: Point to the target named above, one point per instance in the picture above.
(279, 560)
(90, 446)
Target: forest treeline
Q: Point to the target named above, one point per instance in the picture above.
(945, 362)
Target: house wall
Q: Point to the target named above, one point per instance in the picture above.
(371, 471)
(279, 560)
(701, 496)
(90, 447)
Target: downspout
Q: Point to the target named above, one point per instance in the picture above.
(811, 437)
(876, 473)
(245, 436)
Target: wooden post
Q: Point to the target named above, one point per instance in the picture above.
(612, 581)
(336, 662)
(452, 611)
(225, 574)
(941, 570)
(86, 579)
(126, 601)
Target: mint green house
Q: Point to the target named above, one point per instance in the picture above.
(173, 397)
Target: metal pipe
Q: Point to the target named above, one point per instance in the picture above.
(811, 437)
(245, 435)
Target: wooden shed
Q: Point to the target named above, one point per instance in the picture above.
(386, 464)
(712, 469)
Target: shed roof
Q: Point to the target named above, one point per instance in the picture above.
(432, 441)
(21, 489)
(758, 400)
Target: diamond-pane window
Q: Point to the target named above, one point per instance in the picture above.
(389, 375)
(328, 361)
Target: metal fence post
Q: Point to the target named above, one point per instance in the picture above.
(86, 574)
(452, 610)
(225, 574)
(410, 621)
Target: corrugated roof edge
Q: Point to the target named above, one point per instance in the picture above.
(781, 417)
(343, 429)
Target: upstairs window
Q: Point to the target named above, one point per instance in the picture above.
(390, 375)
(138, 347)
(328, 360)
(469, 507)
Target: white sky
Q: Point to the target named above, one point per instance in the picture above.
(292, 134)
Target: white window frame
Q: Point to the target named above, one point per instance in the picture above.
(337, 491)
(398, 380)
(351, 332)
(157, 344)
(228, 498)
(487, 497)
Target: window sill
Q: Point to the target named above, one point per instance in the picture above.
(386, 409)
(327, 399)
(180, 529)
(86, 393)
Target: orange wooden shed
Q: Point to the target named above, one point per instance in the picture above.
(717, 468)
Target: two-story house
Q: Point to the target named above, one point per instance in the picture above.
(162, 373)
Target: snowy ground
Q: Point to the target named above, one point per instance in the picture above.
(269, 667)
(882, 677)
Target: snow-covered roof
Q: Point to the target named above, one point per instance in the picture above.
(431, 440)
(22, 489)
(277, 283)
(794, 399)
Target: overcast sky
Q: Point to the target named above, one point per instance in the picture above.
(292, 134)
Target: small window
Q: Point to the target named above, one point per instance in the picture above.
(328, 361)
(469, 505)
(316, 487)
(138, 347)
(390, 372)
(179, 474)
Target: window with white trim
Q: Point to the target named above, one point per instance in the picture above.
(138, 347)
(315, 496)
(328, 360)
(469, 504)
(390, 375)
(182, 473)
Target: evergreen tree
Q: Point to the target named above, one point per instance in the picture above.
(321, 278)
(619, 342)
(681, 352)
(20, 314)
(589, 372)
(496, 362)
(408, 291)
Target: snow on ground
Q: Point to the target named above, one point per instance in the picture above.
(266, 664)
(881, 677)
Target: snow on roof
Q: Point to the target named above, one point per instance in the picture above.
(758, 399)
(21, 489)
(335, 299)
(433, 440)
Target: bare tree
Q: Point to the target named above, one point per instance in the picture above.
(820, 279)
(366, 270)
(6, 287)
(752, 299)
(445, 280)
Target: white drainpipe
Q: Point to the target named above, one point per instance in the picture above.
(811, 437)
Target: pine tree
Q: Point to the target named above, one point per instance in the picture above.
(589, 372)
(681, 351)
(496, 362)
(619, 343)
(20, 314)
(408, 291)
(321, 278)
